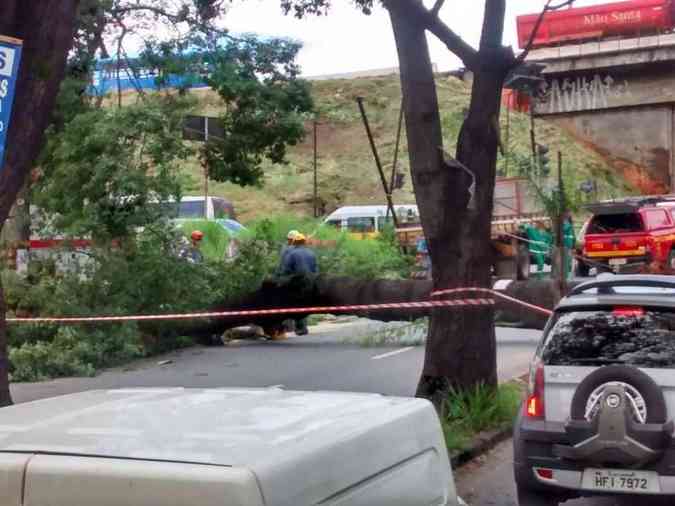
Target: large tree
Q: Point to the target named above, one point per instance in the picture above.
(255, 77)
(455, 195)
(46, 27)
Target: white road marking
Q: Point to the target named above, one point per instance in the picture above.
(276, 386)
(392, 353)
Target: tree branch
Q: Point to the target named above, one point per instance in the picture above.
(547, 8)
(493, 24)
(437, 7)
(416, 11)
(157, 11)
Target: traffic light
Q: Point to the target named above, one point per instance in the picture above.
(544, 159)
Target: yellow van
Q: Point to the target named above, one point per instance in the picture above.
(366, 222)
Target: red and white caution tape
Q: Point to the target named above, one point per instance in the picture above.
(495, 293)
(301, 310)
(258, 312)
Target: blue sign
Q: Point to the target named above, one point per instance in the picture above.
(10, 55)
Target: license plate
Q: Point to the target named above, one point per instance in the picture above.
(617, 480)
(618, 261)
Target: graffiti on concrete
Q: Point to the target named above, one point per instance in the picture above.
(580, 93)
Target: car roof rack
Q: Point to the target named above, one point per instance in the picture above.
(629, 204)
(606, 282)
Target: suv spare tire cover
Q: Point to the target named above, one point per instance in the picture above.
(650, 391)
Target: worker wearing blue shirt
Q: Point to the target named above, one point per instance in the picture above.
(299, 261)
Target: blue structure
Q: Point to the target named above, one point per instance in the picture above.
(110, 75)
(10, 56)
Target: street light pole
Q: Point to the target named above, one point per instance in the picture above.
(560, 239)
(316, 186)
(206, 170)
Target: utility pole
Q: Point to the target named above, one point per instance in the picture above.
(206, 171)
(508, 133)
(383, 179)
(560, 239)
(394, 165)
(533, 138)
(316, 187)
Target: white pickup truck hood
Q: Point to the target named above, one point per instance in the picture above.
(179, 447)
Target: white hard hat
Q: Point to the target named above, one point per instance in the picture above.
(292, 235)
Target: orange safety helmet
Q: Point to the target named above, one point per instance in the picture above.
(197, 235)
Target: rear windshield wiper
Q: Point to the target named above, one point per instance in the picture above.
(598, 360)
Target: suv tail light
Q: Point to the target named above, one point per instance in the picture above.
(534, 407)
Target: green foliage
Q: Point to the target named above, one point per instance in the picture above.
(146, 280)
(340, 255)
(106, 165)
(274, 230)
(265, 103)
(363, 259)
(481, 408)
(71, 100)
(75, 351)
(301, 8)
(546, 188)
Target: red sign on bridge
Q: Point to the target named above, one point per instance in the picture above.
(630, 19)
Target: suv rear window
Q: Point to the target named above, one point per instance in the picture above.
(658, 218)
(591, 338)
(615, 223)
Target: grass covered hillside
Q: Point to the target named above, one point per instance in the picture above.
(347, 173)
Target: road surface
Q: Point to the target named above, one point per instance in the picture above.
(488, 481)
(320, 361)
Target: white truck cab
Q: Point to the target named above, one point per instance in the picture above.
(223, 447)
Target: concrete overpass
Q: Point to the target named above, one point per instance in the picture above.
(618, 97)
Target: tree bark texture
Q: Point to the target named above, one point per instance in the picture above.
(460, 350)
(46, 28)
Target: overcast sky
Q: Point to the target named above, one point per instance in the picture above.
(346, 40)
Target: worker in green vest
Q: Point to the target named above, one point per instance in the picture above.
(539, 244)
(569, 242)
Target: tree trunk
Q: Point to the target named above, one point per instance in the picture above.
(5, 397)
(460, 350)
(46, 27)
(330, 291)
(324, 291)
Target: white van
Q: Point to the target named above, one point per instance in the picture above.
(364, 222)
(200, 207)
(223, 447)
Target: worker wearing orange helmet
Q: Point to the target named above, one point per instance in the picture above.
(300, 261)
(193, 253)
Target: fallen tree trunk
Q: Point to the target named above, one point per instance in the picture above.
(320, 291)
(329, 291)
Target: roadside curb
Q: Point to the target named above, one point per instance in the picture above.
(481, 444)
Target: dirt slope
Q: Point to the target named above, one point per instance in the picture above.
(347, 173)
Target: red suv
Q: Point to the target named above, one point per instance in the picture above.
(635, 235)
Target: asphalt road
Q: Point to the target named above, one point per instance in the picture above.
(321, 361)
(488, 481)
